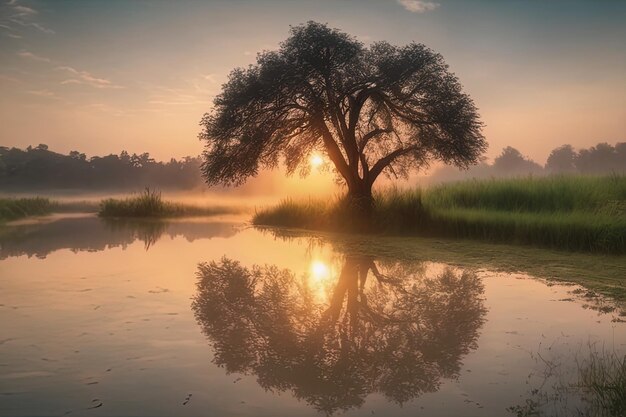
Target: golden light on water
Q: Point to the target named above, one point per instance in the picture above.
(316, 160)
(319, 271)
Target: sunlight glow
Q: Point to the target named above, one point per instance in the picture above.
(316, 160)
(319, 271)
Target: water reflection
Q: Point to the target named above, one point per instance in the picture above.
(393, 328)
(95, 234)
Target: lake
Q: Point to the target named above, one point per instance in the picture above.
(206, 317)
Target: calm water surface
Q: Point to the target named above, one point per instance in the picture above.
(204, 317)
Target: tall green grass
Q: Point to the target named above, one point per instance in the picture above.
(574, 213)
(13, 209)
(533, 194)
(151, 204)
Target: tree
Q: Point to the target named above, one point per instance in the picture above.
(562, 160)
(371, 110)
(600, 159)
(512, 162)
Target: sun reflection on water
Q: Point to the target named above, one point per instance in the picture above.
(319, 271)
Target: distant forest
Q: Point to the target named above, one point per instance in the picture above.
(600, 159)
(38, 168)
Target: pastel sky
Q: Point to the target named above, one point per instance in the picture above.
(103, 76)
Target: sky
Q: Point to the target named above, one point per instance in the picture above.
(105, 76)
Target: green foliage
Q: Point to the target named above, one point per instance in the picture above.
(13, 209)
(602, 379)
(151, 204)
(531, 194)
(574, 213)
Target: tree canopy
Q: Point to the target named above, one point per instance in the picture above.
(370, 109)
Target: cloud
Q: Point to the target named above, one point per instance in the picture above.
(34, 25)
(24, 10)
(86, 78)
(31, 56)
(14, 36)
(211, 78)
(43, 93)
(418, 6)
(23, 16)
(42, 28)
(7, 78)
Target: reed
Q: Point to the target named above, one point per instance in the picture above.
(151, 204)
(17, 208)
(574, 213)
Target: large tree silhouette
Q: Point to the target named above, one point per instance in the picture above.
(371, 110)
(384, 328)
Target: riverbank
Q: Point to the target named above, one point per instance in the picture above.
(579, 213)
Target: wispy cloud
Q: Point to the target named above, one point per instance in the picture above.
(43, 93)
(84, 77)
(35, 25)
(9, 79)
(195, 91)
(76, 76)
(418, 6)
(33, 57)
(211, 78)
(18, 14)
(23, 10)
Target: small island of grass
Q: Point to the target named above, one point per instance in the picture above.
(18, 208)
(151, 204)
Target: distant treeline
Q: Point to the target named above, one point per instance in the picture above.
(600, 159)
(40, 168)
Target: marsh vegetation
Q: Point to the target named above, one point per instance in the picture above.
(150, 203)
(17, 208)
(591, 385)
(584, 213)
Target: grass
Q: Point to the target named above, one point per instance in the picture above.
(598, 388)
(150, 204)
(574, 213)
(14, 209)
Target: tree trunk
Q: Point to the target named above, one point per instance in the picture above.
(361, 205)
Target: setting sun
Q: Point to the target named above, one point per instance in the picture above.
(316, 160)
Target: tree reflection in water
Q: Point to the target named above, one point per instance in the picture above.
(384, 328)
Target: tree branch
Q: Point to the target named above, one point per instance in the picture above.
(369, 135)
(388, 159)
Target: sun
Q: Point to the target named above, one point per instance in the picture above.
(316, 160)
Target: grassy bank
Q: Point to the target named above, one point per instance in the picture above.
(574, 213)
(14, 209)
(151, 204)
